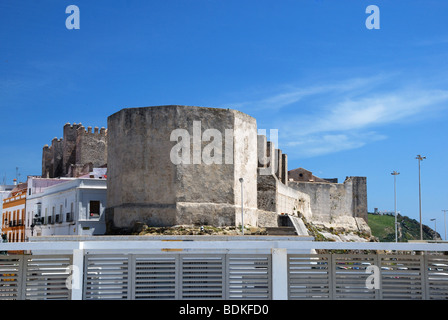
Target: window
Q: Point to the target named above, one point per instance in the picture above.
(94, 209)
(69, 215)
(51, 218)
(6, 220)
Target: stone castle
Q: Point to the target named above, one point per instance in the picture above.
(214, 148)
(77, 153)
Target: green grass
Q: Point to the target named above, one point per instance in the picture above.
(383, 228)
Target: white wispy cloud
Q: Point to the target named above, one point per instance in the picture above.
(320, 144)
(374, 110)
(290, 94)
(349, 114)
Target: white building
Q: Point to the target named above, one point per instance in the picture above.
(72, 206)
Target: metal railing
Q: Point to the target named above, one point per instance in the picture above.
(231, 267)
(353, 276)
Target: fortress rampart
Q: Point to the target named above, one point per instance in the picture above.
(144, 185)
(76, 153)
(182, 165)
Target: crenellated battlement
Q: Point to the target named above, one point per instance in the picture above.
(271, 160)
(71, 129)
(96, 130)
(79, 148)
(73, 126)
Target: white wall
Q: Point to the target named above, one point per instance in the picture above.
(76, 194)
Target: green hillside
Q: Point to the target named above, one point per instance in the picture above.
(382, 227)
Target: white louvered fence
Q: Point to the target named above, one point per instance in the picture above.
(252, 268)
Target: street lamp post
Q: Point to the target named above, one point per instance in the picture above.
(242, 206)
(395, 174)
(420, 158)
(444, 221)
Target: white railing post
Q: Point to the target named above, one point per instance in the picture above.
(279, 274)
(77, 275)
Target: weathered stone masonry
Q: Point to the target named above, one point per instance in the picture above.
(337, 205)
(76, 153)
(145, 186)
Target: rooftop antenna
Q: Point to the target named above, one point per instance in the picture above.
(17, 175)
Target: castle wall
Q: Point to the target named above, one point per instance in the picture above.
(274, 196)
(285, 169)
(287, 199)
(267, 179)
(359, 197)
(47, 156)
(144, 185)
(303, 206)
(328, 200)
(56, 158)
(279, 167)
(140, 174)
(245, 166)
(91, 147)
(69, 146)
(336, 203)
(267, 193)
(76, 153)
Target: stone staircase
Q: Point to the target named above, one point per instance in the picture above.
(281, 231)
(287, 226)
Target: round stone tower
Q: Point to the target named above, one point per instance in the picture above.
(173, 165)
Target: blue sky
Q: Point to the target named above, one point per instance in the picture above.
(347, 101)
